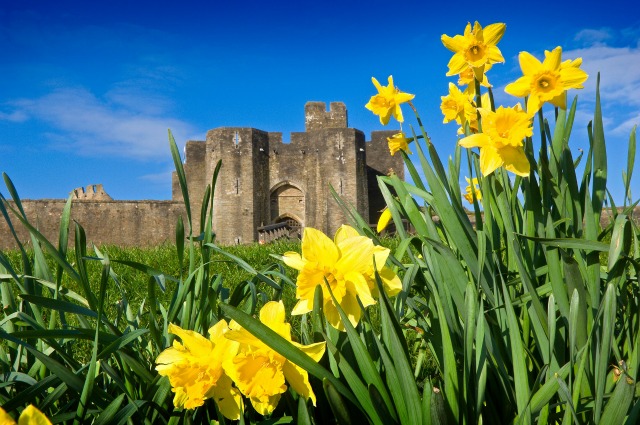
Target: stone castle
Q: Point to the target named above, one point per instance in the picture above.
(262, 182)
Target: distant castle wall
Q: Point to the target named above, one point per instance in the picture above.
(124, 223)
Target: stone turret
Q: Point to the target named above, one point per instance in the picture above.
(93, 192)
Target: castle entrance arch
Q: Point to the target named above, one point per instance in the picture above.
(287, 203)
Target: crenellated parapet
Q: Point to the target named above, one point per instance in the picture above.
(316, 116)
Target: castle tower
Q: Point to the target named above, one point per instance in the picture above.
(241, 194)
(338, 160)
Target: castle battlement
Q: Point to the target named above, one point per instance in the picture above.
(317, 117)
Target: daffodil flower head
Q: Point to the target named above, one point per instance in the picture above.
(399, 142)
(29, 416)
(387, 102)
(476, 48)
(471, 189)
(467, 78)
(348, 265)
(457, 106)
(547, 81)
(195, 371)
(501, 142)
(261, 373)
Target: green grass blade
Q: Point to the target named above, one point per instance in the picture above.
(631, 160)
(107, 415)
(182, 179)
(603, 355)
(518, 356)
(599, 157)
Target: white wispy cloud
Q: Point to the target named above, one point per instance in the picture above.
(594, 36)
(619, 68)
(121, 122)
(14, 116)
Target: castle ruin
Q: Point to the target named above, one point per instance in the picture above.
(262, 182)
(265, 181)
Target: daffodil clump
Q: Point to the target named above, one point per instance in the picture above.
(504, 129)
(234, 362)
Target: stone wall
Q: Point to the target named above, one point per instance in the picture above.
(125, 223)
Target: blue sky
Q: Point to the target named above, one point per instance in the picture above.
(88, 89)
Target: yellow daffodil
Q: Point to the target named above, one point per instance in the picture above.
(347, 264)
(399, 142)
(457, 106)
(29, 416)
(472, 188)
(384, 220)
(467, 78)
(476, 48)
(387, 102)
(547, 81)
(194, 368)
(501, 142)
(260, 372)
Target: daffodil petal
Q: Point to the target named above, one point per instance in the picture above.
(456, 64)
(519, 88)
(344, 232)
(455, 43)
(361, 288)
(391, 282)
(515, 161)
(475, 140)
(315, 351)
(316, 246)
(302, 306)
(490, 160)
(572, 78)
(493, 33)
(31, 416)
(228, 398)
(332, 315)
(553, 59)
(293, 260)
(299, 380)
(377, 84)
(529, 63)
